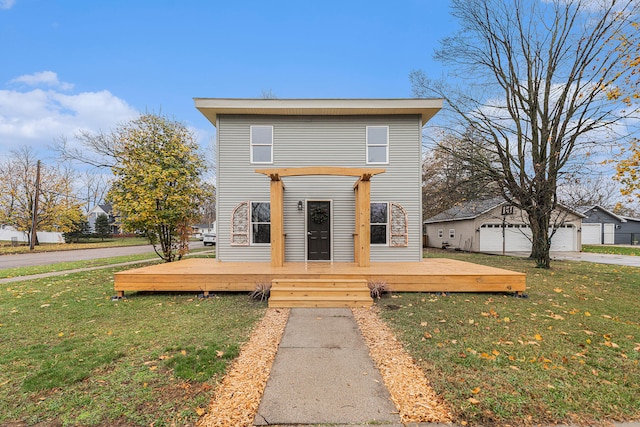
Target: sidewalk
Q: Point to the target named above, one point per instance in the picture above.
(322, 374)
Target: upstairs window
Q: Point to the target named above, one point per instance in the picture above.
(261, 144)
(379, 223)
(260, 222)
(377, 144)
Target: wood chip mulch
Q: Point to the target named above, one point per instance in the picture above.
(409, 388)
(237, 398)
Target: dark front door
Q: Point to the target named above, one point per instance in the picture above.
(318, 231)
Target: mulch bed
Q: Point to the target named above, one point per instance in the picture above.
(237, 398)
(409, 388)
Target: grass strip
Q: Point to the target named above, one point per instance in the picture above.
(569, 353)
(7, 249)
(99, 262)
(613, 250)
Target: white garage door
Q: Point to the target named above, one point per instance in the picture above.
(518, 238)
(591, 234)
(565, 239)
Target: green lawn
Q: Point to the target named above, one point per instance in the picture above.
(71, 356)
(569, 353)
(615, 250)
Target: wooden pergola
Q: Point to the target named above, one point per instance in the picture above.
(362, 188)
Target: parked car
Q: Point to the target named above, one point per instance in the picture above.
(209, 239)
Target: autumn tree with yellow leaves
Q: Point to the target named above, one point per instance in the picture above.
(628, 91)
(58, 208)
(157, 188)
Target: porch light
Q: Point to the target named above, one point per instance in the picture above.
(299, 205)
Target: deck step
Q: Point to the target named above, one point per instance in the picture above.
(319, 293)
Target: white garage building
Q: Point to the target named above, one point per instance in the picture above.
(493, 225)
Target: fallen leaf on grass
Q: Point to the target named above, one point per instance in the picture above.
(558, 290)
(219, 353)
(200, 411)
(586, 313)
(473, 400)
(538, 337)
(610, 344)
(476, 390)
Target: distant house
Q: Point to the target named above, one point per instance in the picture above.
(104, 209)
(478, 225)
(601, 226)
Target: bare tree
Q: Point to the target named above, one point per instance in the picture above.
(95, 187)
(534, 80)
(450, 175)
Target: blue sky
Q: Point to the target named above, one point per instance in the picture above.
(73, 64)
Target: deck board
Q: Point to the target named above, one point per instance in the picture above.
(429, 275)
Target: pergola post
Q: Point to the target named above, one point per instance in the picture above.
(362, 249)
(277, 222)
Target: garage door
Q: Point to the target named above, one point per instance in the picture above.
(518, 238)
(591, 234)
(565, 239)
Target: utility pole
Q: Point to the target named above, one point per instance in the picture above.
(34, 218)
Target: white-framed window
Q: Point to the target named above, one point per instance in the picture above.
(379, 223)
(261, 144)
(452, 233)
(377, 145)
(440, 233)
(260, 223)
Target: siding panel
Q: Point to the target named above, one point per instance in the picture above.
(319, 141)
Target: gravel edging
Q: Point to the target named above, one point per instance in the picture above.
(236, 400)
(409, 388)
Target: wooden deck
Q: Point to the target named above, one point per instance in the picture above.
(430, 275)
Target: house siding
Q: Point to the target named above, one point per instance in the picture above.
(300, 141)
(625, 233)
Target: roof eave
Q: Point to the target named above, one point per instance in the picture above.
(211, 108)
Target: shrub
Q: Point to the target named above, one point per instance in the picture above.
(378, 288)
(262, 291)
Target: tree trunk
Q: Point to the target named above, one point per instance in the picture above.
(540, 240)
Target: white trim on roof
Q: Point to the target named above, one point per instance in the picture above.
(425, 108)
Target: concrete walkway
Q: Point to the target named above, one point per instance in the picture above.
(322, 374)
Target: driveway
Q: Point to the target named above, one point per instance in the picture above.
(631, 261)
(46, 258)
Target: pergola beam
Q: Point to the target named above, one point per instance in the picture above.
(362, 189)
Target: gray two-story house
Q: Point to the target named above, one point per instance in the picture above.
(319, 179)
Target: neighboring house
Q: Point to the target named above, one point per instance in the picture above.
(602, 226)
(199, 229)
(319, 179)
(98, 210)
(478, 226)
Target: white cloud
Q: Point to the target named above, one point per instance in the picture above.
(7, 4)
(42, 78)
(38, 117)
